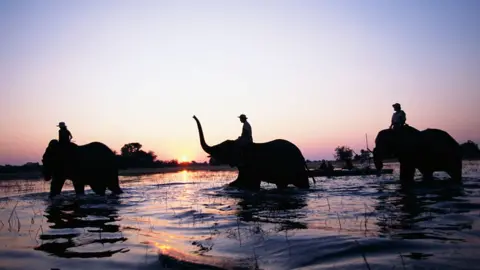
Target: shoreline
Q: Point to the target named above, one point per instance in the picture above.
(128, 172)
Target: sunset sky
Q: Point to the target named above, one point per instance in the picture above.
(317, 73)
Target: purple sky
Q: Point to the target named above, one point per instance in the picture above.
(317, 73)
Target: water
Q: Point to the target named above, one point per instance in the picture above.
(190, 220)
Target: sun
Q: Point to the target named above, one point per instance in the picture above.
(183, 159)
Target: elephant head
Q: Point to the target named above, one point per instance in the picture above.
(50, 160)
(384, 147)
(222, 153)
(391, 143)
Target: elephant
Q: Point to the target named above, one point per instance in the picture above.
(279, 162)
(92, 164)
(428, 151)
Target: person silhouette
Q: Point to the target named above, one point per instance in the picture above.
(398, 118)
(246, 135)
(64, 138)
(323, 165)
(64, 135)
(244, 139)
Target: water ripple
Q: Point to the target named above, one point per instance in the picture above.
(192, 220)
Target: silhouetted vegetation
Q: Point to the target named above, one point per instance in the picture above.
(343, 153)
(364, 155)
(27, 167)
(470, 150)
(132, 156)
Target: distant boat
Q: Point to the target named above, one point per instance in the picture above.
(356, 172)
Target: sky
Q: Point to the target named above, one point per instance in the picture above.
(317, 73)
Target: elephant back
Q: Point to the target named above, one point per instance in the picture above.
(95, 154)
(404, 141)
(280, 152)
(439, 143)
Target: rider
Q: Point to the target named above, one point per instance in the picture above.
(245, 138)
(64, 138)
(323, 165)
(398, 118)
(64, 135)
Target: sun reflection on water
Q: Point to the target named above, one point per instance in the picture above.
(185, 175)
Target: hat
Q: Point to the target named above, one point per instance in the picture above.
(61, 124)
(242, 116)
(396, 105)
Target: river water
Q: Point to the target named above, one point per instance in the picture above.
(190, 220)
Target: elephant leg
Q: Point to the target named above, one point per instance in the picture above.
(115, 189)
(246, 180)
(427, 175)
(79, 187)
(253, 184)
(301, 180)
(235, 183)
(99, 189)
(239, 182)
(456, 175)
(56, 186)
(407, 172)
(114, 185)
(455, 172)
(281, 185)
(302, 184)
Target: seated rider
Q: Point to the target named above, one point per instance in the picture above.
(64, 138)
(245, 138)
(323, 165)
(64, 135)
(349, 164)
(398, 118)
(330, 167)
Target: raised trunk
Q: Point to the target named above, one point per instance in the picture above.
(204, 145)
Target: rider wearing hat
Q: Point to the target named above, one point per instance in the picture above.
(398, 118)
(246, 135)
(64, 135)
(245, 138)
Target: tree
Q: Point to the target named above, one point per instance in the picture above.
(343, 153)
(470, 150)
(130, 148)
(132, 155)
(152, 155)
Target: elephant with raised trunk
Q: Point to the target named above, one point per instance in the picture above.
(279, 162)
(92, 164)
(428, 151)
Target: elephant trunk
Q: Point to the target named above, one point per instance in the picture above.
(377, 160)
(204, 145)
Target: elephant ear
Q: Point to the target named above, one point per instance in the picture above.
(224, 152)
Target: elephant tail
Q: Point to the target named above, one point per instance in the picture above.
(306, 168)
